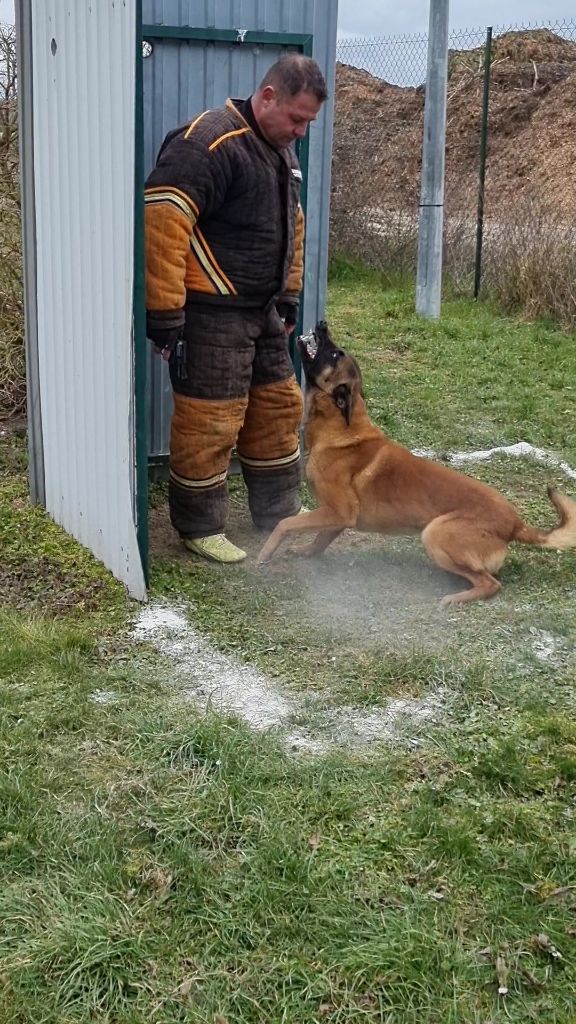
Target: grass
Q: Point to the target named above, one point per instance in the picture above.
(161, 863)
(501, 380)
(40, 566)
(528, 256)
(161, 869)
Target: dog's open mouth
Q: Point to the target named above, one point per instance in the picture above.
(309, 344)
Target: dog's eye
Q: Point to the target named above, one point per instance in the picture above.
(337, 354)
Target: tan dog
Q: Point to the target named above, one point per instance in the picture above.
(365, 481)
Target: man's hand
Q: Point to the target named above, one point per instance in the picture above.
(164, 339)
(288, 313)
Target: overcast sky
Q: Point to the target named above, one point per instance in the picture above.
(391, 18)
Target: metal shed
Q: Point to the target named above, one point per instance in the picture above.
(100, 84)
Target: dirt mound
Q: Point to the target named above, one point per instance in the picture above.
(517, 49)
(532, 132)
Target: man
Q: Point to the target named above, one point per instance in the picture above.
(224, 255)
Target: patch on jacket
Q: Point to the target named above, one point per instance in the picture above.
(297, 174)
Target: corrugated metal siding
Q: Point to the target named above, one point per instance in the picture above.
(260, 15)
(182, 78)
(83, 97)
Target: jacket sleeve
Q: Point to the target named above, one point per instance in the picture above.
(188, 180)
(295, 274)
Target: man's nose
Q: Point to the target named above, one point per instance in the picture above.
(300, 131)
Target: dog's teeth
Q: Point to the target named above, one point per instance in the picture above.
(309, 340)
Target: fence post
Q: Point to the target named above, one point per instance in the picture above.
(482, 171)
(429, 268)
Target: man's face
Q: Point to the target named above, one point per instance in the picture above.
(284, 119)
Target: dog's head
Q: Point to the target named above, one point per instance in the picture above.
(330, 369)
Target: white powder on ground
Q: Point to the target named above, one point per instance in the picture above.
(546, 646)
(212, 678)
(216, 680)
(104, 697)
(520, 450)
(353, 726)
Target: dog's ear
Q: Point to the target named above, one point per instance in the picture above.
(342, 398)
(359, 373)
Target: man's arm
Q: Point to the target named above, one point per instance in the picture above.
(188, 180)
(289, 301)
(169, 220)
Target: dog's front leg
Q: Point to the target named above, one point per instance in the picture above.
(322, 540)
(318, 519)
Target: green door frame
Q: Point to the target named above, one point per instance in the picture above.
(149, 33)
(139, 314)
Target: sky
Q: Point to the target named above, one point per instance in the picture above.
(390, 18)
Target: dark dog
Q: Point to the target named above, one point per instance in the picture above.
(365, 481)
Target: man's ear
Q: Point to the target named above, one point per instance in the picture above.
(268, 93)
(342, 398)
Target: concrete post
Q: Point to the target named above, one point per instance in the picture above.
(431, 218)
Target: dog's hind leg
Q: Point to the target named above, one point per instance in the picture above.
(467, 549)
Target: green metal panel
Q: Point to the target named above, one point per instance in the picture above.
(140, 343)
(225, 35)
(36, 477)
(303, 150)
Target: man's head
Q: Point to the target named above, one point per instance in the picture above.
(288, 98)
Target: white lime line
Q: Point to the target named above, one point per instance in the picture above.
(214, 680)
(520, 450)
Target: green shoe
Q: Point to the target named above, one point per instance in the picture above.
(216, 548)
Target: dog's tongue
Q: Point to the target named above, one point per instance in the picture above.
(310, 343)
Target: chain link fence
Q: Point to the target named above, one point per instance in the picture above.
(529, 202)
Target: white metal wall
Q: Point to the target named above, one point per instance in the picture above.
(83, 93)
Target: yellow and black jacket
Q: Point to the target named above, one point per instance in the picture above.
(223, 219)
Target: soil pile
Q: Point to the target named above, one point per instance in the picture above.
(531, 142)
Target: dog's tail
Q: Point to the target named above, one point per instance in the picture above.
(561, 536)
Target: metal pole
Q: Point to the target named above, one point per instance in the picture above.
(429, 269)
(483, 148)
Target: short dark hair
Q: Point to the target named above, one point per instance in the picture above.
(296, 73)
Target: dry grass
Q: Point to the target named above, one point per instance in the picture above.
(12, 368)
(528, 262)
(532, 269)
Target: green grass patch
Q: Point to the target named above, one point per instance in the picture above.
(472, 379)
(40, 564)
(158, 866)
